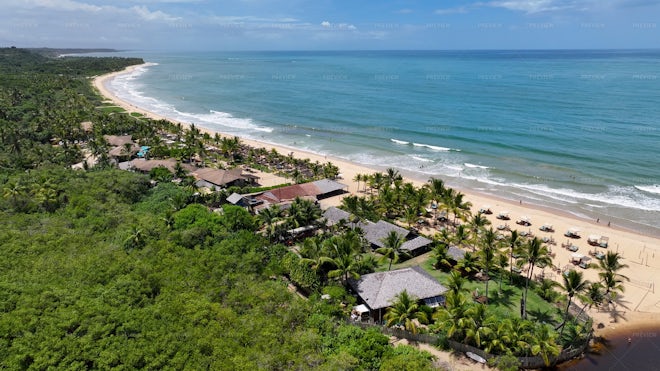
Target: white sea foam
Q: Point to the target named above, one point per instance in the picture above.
(126, 88)
(435, 148)
(655, 189)
(400, 141)
(418, 158)
(467, 164)
(615, 196)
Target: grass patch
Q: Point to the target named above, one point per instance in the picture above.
(136, 114)
(507, 301)
(111, 109)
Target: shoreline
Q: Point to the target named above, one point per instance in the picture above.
(640, 251)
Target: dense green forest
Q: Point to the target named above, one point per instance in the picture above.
(103, 269)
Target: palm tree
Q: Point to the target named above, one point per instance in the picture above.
(544, 343)
(456, 283)
(610, 266)
(469, 264)
(358, 178)
(442, 259)
(593, 296)
(574, 284)
(269, 216)
(453, 319)
(487, 253)
(500, 338)
(461, 235)
(513, 244)
(502, 263)
(535, 253)
(404, 311)
(477, 327)
(392, 248)
(392, 174)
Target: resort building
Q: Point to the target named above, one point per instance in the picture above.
(377, 291)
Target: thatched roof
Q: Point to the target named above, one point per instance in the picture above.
(218, 177)
(147, 165)
(121, 151)
(376, 232)
(118, 140)
(455, 253)
(334, 215)
(416, 243)
(379, 290)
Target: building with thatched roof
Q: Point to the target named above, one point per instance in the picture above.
(219, 178)
(118, 140)
(375, 233)
(146, 166)
(379, 290)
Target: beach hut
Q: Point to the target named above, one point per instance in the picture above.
(547, 227)
(604, 242)
(485, 210)
(576, 258)
(573, 232)
(524, 220)
(593, 240)
(503, 215)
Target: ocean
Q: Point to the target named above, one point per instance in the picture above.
(575, 131)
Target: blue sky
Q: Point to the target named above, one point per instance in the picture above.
(330, 24)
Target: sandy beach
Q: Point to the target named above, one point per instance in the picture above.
(638, 306)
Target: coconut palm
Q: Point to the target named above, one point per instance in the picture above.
(358, 178)
(502, 262)
(514, 243)
(610, 266)
(544, 343)
(469, 265)
(391, 175)
(594, 296)
(453, 319)
(487, 253)
(574, 284)
(404, 311)
(477, 325)
(269, 217)
(442, 258)
(392, 248)
(456, 283)
(500, 338)
(535, 253)
(461, 235)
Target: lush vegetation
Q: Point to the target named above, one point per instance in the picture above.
(104, 269)
(501, 317)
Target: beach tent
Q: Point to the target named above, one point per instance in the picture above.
(593, 239)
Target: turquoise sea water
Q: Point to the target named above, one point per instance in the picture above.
(578, 131)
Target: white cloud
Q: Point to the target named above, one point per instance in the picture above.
(539, 6)
(157, 15)
(458, 10)
(404, 11)
(338, 26)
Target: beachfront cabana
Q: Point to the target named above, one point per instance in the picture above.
(379, 290)
(503, 215)
(524, 220)
(573, 232)
(547, 227)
